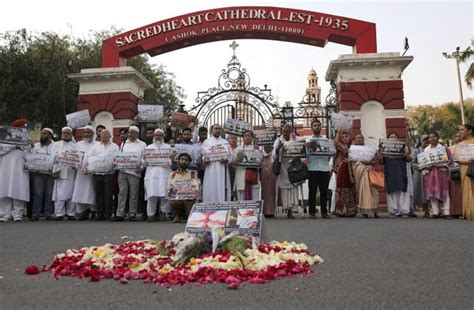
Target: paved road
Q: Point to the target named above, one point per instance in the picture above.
(369, 264)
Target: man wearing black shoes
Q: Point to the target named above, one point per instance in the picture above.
(318, 168)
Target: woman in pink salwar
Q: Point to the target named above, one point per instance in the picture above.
(436, 180)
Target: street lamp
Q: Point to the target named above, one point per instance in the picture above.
(458, 55)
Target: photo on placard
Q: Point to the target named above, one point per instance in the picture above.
(207, 219)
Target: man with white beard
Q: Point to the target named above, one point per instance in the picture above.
(64, 177)
(156, 180)
(84, 194)
(216, 183)
(14, 181)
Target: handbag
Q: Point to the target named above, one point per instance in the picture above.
(251, 176)
(470, 171)
(377, 179)
(455, 173)
(297, 172)
(276, 166)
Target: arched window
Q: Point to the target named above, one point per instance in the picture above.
(104, 118)
(372, 122)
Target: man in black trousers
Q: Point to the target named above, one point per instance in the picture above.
(319, 174)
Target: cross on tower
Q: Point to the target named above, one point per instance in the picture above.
(234, 46)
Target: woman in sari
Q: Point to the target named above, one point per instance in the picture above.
(396, 182)
(418, 188)
(455, 193)
(436, 179)
(368, 196)
(345, 189)
(466, 132)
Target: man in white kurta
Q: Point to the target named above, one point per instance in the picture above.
(14, 183)
(289, 193)
(83, 194)
(64, 177)
(156, 180)
(216, 183)
(244, 190)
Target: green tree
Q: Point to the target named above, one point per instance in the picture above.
(34, 69)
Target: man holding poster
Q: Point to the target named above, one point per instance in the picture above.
(64, 177)
(182, 182)
(14, 182)
(129, 180)
(216, 156)
(84, 194)
(156, 180)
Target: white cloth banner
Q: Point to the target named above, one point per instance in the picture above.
(78, 119)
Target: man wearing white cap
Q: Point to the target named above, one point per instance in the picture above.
(64, 177)
(14, 180)
(129, 180)
(43, 182)
(156, 179)
(84, 194)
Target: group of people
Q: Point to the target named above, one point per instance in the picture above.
(144, 193)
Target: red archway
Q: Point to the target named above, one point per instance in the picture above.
(249, 22)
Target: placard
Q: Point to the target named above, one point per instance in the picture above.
(150, 112)
(361, 153)
(236, 127)
(392, 148)
(42, 163)
(157, 157)
(100, 164)
(464, 152)
(429, 158)
(215, 152)
(182, 120)
(14, 135)
(71, 158)
(250, 158)
(292, 149)
(190, 149)
(127, 161)
(78, 119)
(242, 216)
(265, 136)
(320, 147)
(342, 121)
(188, 189)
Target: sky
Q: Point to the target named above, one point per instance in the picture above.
(432, 27)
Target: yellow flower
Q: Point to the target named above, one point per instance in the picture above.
(192, 261)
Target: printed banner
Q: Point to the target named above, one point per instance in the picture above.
(14, 136)
(242, 216)
(157, 158)
(127, 161)
(182, 120)
(100, 164)
(265, 136)
(320, 147)
(250, 158)
(464, 152)
(216, 152)
(78, 119)
(71, 158)
(236, 127)
(361, 153)
(293, 149)
(189, 189)
(42, 163)
(341, 121)
(392, 148)
(429, 158)
(150, 112)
